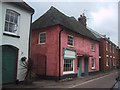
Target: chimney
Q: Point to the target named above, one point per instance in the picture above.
(82, 19)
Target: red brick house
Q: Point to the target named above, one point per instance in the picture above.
(109, 58)
(109, 54)
(62, 47)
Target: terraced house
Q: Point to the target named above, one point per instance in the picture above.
(62, 47)
(15, 21)
(109, 58)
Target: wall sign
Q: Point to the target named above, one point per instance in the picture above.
(69, 54)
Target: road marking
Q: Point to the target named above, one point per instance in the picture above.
(91, 80)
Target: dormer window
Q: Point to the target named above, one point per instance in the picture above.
(11, 22)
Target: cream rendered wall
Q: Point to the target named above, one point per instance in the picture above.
(23, 42)
(0, 44)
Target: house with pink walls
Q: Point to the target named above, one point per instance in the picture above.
(62, 47)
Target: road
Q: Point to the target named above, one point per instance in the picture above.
(106, 81)
(99, 81)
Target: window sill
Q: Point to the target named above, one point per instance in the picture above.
(107, 65)
(93, 50)
(106, 50)
(70, 46)
(69, 72)
(12, 35)
(93, 68)
(41, 43)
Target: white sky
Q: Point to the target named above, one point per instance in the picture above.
(102, 14)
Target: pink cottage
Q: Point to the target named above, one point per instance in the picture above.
(62, 47)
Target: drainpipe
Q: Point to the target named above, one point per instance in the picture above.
(60, 52)
(30, 42)
(30, 36)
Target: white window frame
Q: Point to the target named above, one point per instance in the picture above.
(106, 45)
(110, 47)
(93, 47)
(107, 61)
(113, 61)
(73, 40)
(93, 67)
(113, 49)
(107, 55)
(68, 72)
(12, 22)
(39, 38)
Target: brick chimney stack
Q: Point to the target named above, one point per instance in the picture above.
(82, 19)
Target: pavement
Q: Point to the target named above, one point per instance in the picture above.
(66, 83)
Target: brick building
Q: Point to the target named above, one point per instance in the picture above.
(108, 52)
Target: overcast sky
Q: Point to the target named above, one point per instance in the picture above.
(102, 15)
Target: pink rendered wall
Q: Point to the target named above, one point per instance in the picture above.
(82, 45)
(50, 49)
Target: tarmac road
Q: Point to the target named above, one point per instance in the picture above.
(99, 80)
(106, 81)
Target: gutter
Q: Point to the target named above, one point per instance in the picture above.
(60, 53)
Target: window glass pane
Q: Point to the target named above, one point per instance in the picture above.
(6, 26)
(92, 62)
(11, 18)
(106, 46)
(70, 40)
(93, 47)
(16, 19)
(106, 61)
(12, 27)
(42, 37)
(68, 65)
(7, 17)
(11, 21)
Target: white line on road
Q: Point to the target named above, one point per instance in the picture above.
(90, 80)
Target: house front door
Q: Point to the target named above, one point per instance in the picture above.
(9, 58)
(86, 66)
(79, 66)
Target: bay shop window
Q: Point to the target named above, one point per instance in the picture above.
(68, 63)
